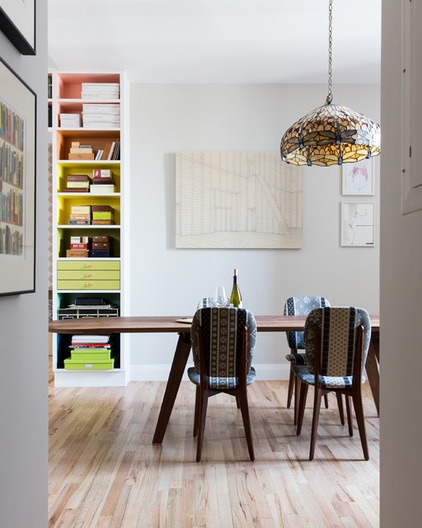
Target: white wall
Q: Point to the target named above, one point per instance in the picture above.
(23, 335)
(163, 280)
(401, 293)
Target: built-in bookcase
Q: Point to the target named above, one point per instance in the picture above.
(87, 118)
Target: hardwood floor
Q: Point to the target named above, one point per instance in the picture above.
(104, 471)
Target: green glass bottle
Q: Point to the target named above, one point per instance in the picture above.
(235, 296)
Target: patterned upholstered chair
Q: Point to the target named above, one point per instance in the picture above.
(223, 343)
(299, 306)
(336, 343)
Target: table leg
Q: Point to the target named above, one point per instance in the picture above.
(178, 366)
(372, 369)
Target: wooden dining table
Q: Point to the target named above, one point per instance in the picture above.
(181, 326)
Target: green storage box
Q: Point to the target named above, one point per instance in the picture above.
(97, 364)
(89, 355)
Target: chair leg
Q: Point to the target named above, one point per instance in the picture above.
(301, 406)
(292, 384)
(326, 401)
(297, 397)
(340, 406)
(349, 416)
(315, 421)
(197, 411)
(360, 418)
(202, 417)
(243, 400)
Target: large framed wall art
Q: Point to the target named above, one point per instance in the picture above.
(237, 200)
(17, 184)
(17, 22)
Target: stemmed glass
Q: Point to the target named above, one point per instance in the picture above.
(220, 297)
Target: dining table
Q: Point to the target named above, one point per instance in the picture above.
(181, 325)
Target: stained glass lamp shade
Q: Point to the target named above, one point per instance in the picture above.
(330, 134)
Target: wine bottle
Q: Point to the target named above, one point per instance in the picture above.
(235, 296)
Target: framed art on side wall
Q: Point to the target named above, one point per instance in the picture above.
(358, 178)
(17, 184)
(357, 224)
(17, 22)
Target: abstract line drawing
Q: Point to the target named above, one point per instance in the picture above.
(357, 224)
(237, 200)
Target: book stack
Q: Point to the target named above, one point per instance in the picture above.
(80, 215)
(79, 247)
(101, 115)
(80, 152)
(102, 246)
(103, 91)
(102, 215)
(89, 352)
(77, 183)
(102, 182)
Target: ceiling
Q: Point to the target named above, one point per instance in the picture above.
(217, 41)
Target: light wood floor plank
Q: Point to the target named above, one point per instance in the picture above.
(104, 472)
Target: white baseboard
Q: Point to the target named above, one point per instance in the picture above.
(160, 372)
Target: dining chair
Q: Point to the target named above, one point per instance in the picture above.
(223, 344)
(300, 305)
(336, 344)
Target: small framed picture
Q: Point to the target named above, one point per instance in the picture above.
(358, 178)
(357, 224)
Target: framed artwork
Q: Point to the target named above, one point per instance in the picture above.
(237, 200)
(358, 178)
(17, 184)
(17, 22)
(357, 224)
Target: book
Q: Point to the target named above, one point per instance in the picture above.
(101, 181)
(79, 246)
(77, 184)
(79, 217)
(73, 221)
(79, 240)
(80, 209)
(101, 238)
(102, 173)
(76, 189)
(77, 253)
(95, 208)
(77, 177)
(100, 245)
(102, 189)
(81, 156)
(110, 154)
(106, 152)
(102, 215)
(99, 154)
(102, 222)
(81, 150)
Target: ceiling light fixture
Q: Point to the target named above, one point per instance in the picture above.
(330, 134)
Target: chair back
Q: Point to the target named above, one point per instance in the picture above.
(223, 344)
(332, 341)
(301, 306)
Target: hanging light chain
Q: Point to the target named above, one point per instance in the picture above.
(330, 53)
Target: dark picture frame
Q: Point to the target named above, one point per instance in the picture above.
(17, 22)
(17, 183)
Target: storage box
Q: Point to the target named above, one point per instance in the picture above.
(87, 356)
(70, 120)
(101, 364)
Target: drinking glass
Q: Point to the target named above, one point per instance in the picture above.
(220, 297)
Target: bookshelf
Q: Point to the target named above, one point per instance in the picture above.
(86, 115)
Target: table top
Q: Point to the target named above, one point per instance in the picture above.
(171, 323)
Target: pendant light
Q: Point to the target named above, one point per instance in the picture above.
(330, 134)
